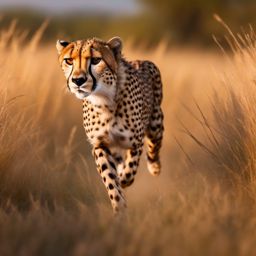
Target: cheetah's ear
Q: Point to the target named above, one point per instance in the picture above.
(60, 45)
(116, 44)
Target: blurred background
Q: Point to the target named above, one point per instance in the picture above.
(143, 21)
(52, 200)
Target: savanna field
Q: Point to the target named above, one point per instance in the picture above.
(52, 200)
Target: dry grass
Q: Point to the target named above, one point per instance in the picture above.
(51, 198)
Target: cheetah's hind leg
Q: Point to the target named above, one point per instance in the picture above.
(154, 136)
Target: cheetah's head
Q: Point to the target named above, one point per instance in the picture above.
(91, 66)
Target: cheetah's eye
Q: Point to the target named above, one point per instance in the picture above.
(68, 61)
(95, 61)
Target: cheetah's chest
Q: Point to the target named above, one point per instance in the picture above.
(102, 126)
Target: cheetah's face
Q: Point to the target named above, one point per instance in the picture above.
(90, 66)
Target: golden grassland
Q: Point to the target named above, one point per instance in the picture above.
(52, 201)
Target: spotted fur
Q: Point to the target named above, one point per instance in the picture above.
(121, 108)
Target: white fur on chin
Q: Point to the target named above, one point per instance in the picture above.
(80, 95)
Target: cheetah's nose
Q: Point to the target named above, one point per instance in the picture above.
(79, 81)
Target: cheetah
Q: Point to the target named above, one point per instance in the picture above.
(121, 109)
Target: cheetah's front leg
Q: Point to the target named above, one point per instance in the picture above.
(130, 167)
(107, 169)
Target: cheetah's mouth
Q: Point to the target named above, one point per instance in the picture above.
(82, 93)
(84, 90)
